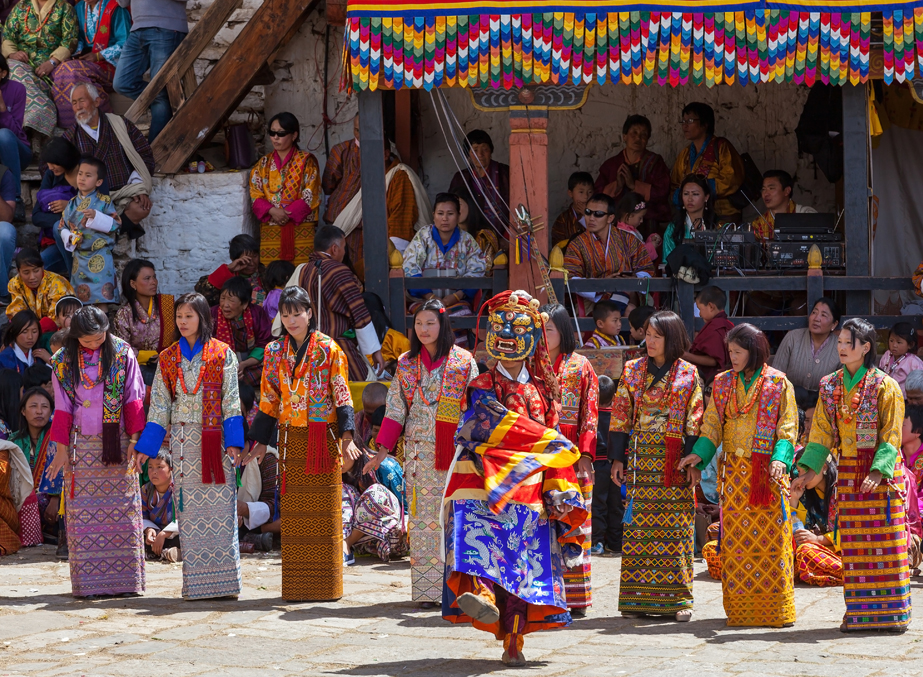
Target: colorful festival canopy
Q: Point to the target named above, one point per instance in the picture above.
(467, 43)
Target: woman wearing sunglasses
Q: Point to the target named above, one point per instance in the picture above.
(285, 189)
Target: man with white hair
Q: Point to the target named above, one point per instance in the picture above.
(913, 386)
(124, 150)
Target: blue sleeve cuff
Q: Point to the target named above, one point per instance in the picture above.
(234, 432)
(151, 439)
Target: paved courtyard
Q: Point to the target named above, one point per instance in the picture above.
(375, 630)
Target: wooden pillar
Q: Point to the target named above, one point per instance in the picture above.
(856, 193)
(404, 133)
(529, 187)
(374, 207)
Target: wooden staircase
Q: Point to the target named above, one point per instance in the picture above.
(199, 109)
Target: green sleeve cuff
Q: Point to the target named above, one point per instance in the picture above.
(257, 354)
(784, 452)
(705, 449)
(814, 457)
(885, 458)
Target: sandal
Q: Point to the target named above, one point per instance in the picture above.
(478, 608)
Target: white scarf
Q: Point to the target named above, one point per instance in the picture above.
(351, 216)
(21, 356)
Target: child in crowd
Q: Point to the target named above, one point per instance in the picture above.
(257, 493)
(607, 507)
(34, 288)
(636, 320)
(277, 276)
(64, 310)
(570, 222)
(20, 350)
(244, 252)
(630, 215)
(56, 342)
(709, 351)
(374, 395)
(901, 357)
(161, 533)
(88, 229)
(608, 318)
(38, 376)
(911, 445)
(911, 442)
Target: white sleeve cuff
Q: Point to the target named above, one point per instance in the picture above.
(368, 340)
(66, 237)
(134, 177)
(589, 295)
(171, 528)
(147, 524)
(101, 223)
(259, 515)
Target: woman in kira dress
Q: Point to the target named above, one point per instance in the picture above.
(305, 392)
(99, 415)
(146, 320)
(657, 412)
(424, 401)
(859, 416)
(578, 423)
(195, 396)
(753, 416)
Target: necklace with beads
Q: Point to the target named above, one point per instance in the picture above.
(182, 379)
(848, 410)
(291, 379)
(87, 382)
(734, 407)
(41, 25)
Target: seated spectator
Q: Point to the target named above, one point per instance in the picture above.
(341, 311)
(125, 152)
(607, 509)
(15, 490)
(36, 289)
(285, 193)
(607, 315)
(7, 230)
(901, 356)
(58, 187)
(102, 28)
(378, 418)
(243, 326)
(913, 387)
(805, 356)
(629, 215)
(161, 532)
(444, 250)
(487, 179)
(147, 320)
(473, 222)
(637, 318)
(20, 350)
(712, 157)
(817, 549)
(36, 39)
(88, 228)
(638, 170)
(374, 395)
(709, 351)
(572, 221)
(158, 28)
(64, 310)
(57, 341)
(695, 212)
(10, 401)
(244, 252)
(258, 516)
(277, 276)
(35, 424)
(393, 343)
(38, 376)
(15, 151)
(604, 251)
(373, 519)
(912, 443)
(777, 196)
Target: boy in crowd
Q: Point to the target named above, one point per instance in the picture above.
(38, 375)
(709, 351)
(64, 310)
(244, 252)
(636, 320)
(608, 318)
(374, 395)
(161, 533)
(34, 288)
(571, 221)
(607, 497)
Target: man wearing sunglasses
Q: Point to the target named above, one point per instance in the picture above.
(604, 250)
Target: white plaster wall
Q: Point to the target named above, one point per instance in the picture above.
(759, 120)
(192, 219)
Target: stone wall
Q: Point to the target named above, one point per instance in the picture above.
(193, 218)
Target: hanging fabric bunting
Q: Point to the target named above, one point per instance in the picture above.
(421, 45)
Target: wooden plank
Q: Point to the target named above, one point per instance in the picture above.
(200, 37)
(374, 207)
(228, 82)
(175, 92)
(190, 84)
(856, 192)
